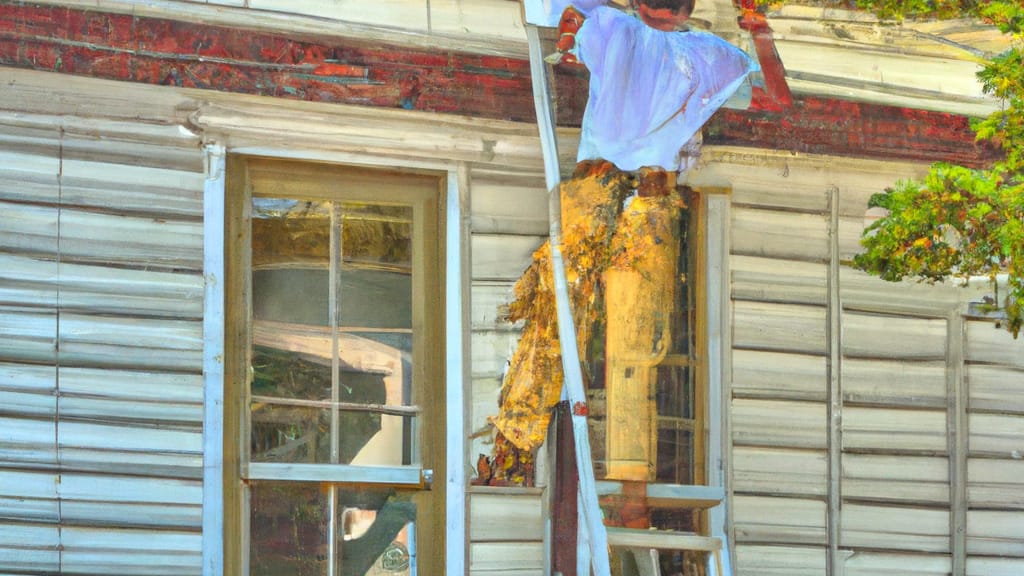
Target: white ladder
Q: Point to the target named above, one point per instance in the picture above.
(642, 543)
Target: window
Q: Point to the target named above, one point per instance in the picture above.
(335, 395)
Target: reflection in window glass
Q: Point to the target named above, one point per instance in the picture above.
(291, 530)
(332, 335)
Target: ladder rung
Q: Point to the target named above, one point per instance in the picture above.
(662, 539)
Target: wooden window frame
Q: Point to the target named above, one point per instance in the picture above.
(248, 176)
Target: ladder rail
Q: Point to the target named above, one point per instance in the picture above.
(572, 373)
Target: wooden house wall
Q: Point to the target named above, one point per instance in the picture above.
(100, 347)
(856, 404)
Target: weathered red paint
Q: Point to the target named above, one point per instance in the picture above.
(160, 51)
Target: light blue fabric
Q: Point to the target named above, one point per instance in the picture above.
(651, 91)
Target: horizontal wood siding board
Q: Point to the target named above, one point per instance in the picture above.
(777, 423)
(995, 388)
(501, 256)
(781, 235)
(996, 435)
(861, 563)
(764, 520)
(131, 343)
(506, 558)
(28, 177)
(28, 335)
(995, 533)
(130, 241)
(94, 550)
(779, 327)
(505, 204)
(760, 560)
(890, 430)
(505, 517)
(777, 471)
(29, 547)
(894, 383)
(897, 337)
(987, 344)
(994, 566)
(995, 484)
(491, 352)
(28, 443)
(489, 307)
(880, 527)
(863, 292)
(915, 480)
(132, 189)
(778, 375)
(758, 279)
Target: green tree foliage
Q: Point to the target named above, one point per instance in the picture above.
(960, 221)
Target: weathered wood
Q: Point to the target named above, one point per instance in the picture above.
(995, 388)
(995, 484)
(131, 343)
(505, 517)
(895, 528)
(990, 566)
(987, 344)
(894, 430)
(130, 501)
(28, 443)
(490, 306)
(759, 560)
(506, 559)
(995, 533)
(757, 278)
(996, 435)
(129, 552)
(28, 335)
(757, 423)
(777, 471)
(780, 376)
(861, 563)
(788, 521)
(502, 257)
(917, 480)
(893, 337)
(131, 189)
(894, 383)
(29, 496)
(780, 235)
(779, 327)
(30, 547)
(863, 292)
(509, 204)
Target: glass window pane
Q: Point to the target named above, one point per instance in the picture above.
(291, 530)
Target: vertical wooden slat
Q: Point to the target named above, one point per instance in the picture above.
(956, 415)
(213, 363)
(834, 567)
(457, 369)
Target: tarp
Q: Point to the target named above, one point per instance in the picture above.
(650, 91)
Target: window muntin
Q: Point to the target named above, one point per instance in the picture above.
(337, 358)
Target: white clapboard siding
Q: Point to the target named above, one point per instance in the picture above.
(96, 500)
(28, 177)
(860, 290)
(505, 515)
(103, 143)
(112, 394)
(135, 241)
(490, 302)
(28, 496)
(777, 375)
(995, 533)
(29, 548)
(877, 336)
(990, 566)
(996, 435)
(995, 484)
(894, 383)
(782, 235)
(508, 203)
(759, 560)
(502, 256)
(995, 388)
(779, 423)
(92, 550)
(132, 189)
(479, 17)
(28, 334)
(894, 430)
(107, 290)
(28, 228)
(131, 449)
(903, 479)
(506, 559)
(777, 471)
(987, 344)
(779, 327)
(27, 442)
(895, 528)
(882, 564)
(756, 278)
(407, 14)
(140, 343)
(491, 352)
(765, 520)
